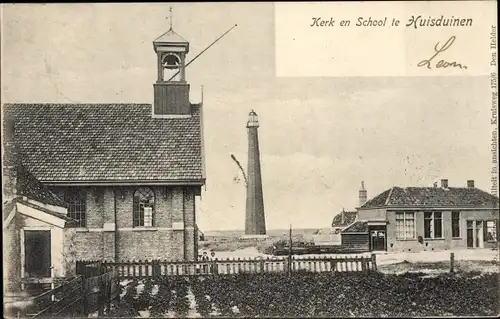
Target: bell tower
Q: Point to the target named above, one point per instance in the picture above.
(171, 91)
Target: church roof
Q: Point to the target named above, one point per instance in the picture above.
(433, 196)
(170, 36)
(107, 143)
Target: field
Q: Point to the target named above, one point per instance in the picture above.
(312, 295)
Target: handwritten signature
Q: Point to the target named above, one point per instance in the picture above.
(441, 63)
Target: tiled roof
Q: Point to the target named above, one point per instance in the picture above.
(433, 196)
(357, 227)
(349, 218)
(27, 185)
(30, 187)
(107, 142)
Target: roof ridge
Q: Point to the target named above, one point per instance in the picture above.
(389, 196)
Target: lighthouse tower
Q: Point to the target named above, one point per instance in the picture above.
(255, 223)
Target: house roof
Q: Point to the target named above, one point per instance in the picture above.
(170, 36)
(69, 220)
(349, 218)
(434, 197)
(357, 227)
(107, 142)
(27, 185)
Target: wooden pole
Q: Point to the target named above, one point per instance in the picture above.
(85, 296)
(290, 251)
(173, 76)
(452, 262)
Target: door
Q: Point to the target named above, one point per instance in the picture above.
(470, 234)
(378, 240)
(37, 258)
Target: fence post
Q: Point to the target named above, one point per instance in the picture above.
(374, 261)
(289, 259)
(100, 295)
(452, 262)
(84, 296)
(215, 267)
(109, 292)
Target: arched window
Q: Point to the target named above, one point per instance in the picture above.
(171, 61)
(144, 202)
(77, 205)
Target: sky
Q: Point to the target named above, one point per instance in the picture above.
(319, 137)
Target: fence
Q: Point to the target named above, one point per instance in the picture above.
(93, 289)
(157, 268)
(100, 287)
(62, 301)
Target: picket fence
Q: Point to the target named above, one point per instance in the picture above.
(156, 268)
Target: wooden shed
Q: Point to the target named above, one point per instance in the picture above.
(356, 238)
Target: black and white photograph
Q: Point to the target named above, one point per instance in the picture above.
(250, 159)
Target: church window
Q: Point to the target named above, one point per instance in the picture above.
(144, 200)
(77, 205)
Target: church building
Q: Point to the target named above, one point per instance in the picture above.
(128, 174)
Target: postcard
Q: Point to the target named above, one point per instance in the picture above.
(240, 159)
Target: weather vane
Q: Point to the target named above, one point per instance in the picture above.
(170, 17)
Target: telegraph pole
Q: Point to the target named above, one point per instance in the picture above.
(290, 251)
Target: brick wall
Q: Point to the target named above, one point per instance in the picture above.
(444, 243)
(174, 206)
(12, 256)
(69, 252)
(89, 245)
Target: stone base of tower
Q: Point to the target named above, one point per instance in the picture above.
(252, 237)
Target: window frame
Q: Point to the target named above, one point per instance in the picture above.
(76, 198)
(457, 220)
(405, 226)
(495, 225)
(138, 211)
(433, 225)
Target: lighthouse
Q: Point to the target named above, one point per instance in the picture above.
(255, 222)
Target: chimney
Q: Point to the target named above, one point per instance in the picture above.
(444, 183)
(470, 183)
(362, 194)
(342, 217)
